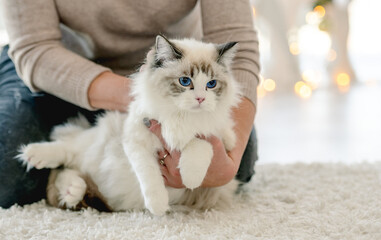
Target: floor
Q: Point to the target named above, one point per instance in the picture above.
(328, 127)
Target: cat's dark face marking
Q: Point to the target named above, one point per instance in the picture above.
(196, 68)
(193, 72)
(220, 88)
(175, 90)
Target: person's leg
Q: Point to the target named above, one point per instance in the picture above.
(18, 125)
(24, 118)
(250, 156)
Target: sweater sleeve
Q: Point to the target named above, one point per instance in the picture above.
(225, 21)
(40, 58)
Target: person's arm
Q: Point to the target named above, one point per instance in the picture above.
(224, 165)
(40, 58)
(243, 116)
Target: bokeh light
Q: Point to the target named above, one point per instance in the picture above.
(302, 89)
(320, 10)
(294, 48)
(305, 91)
(312, 18)
(269, 85)
(343, 80)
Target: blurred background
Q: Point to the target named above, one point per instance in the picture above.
(319, 98)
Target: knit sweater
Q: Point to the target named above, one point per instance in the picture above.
(115, 35)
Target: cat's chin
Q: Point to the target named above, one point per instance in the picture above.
(198, 109)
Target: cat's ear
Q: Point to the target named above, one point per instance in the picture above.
(165, 50)
(226, 53)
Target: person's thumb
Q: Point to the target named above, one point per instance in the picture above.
(155, 127)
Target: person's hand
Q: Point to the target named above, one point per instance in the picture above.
(220, 171)
(110, 91)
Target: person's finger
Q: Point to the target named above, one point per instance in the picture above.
(155, 127)
(173, 163)
(170, 179)
(169, 170)
(162, 154)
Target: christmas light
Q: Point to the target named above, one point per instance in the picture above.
(305, 91)
(294, 48)
(343, 80)
(320, 10)
(254, 12)
(298, 86)
(269, 85)
(312, 18)
(302, 89)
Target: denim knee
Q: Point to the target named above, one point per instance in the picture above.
(19, 124)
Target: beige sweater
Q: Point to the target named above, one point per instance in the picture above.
(118, 34)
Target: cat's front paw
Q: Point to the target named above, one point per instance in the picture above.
(40, 155)
(194, 162)
(229, 139)
(157, 204)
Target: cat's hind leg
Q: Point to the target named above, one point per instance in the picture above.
(66, 188)
(44, 155)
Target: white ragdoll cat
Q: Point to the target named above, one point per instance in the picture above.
(187, 85)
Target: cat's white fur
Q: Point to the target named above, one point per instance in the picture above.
(120, 153)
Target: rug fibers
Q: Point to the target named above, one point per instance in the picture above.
(298, 201)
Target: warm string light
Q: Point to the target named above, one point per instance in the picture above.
(320, 10)
(269, 85)
(343, 81)
(302, 89)
(265, 86)
(311, 79)
(294, 48)
(313, 18)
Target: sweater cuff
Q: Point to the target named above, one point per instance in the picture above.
(82, 87)
(248, 84)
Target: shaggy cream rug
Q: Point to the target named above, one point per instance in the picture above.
(318, 201)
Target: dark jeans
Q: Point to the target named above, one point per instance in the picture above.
(27, 117)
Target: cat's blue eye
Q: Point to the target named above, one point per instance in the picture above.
(211, 84)
(185, 81)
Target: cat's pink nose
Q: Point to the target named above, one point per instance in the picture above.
(200, 100)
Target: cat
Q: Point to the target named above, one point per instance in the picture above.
(187, 86)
